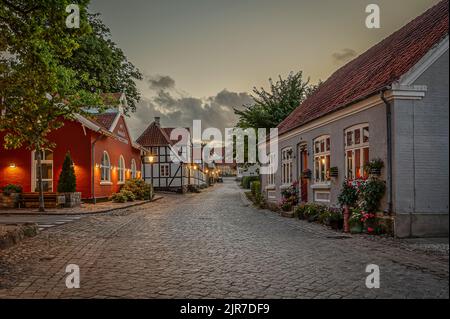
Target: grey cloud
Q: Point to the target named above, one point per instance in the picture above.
(215, 111)
(344, 55)
(158, 82)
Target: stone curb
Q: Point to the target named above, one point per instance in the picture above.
(107, 210)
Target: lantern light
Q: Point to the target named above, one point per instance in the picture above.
(12, 165)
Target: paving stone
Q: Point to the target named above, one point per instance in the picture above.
(213, 245)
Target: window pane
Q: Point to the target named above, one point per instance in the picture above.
(317, 167)
(328, 168)
(322, 146)
(357, 136)
(317, 147)
(350, 138)
(358, 163)
(328, 143)
(349, 164)
(322, 168)
(365, 158)
(366, 135)
(48, 156)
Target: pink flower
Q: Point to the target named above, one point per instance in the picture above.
(370, 229)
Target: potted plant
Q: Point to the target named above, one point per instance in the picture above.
(286, 206)
(306, 174)
(11, 195)
(374, 167)
(334, 172)
(356, 221)
(67, 183)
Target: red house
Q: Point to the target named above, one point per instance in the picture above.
(101, 148)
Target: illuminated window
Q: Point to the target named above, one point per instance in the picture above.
(322, 147)
(121, 169)
(286, 166)
(105, 168)
(133, 168)
(356, 151)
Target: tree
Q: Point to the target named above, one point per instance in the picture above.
(272, 107)
(67, 181)
(37, 89)
(104, 65)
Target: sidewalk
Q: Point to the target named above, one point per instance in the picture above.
(85, 209)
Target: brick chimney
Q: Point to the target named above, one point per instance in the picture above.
(157, 120)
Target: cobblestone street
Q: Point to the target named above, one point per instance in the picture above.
(213, 245)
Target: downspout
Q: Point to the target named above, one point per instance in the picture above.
(389, 149)
(93, 167)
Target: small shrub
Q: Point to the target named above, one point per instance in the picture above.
(348, 195)
(246, 180)
(299, 211)
(119, 197)
(140, 189)
(67, 182)
(371, 193)
(12, 188)
(129, 195)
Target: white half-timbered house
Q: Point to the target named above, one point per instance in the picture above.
(159, 168)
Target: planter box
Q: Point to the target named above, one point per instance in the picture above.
(72, 199)
(9, 201)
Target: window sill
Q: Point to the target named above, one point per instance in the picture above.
(120, 183)
(270, 187)
(105, 183)
(321, 186)
(285, 186)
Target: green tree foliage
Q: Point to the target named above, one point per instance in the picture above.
(273, 106)
(67, 181)
(105, 65)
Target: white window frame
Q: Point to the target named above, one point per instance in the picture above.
(353, 147)
(133, 168)
(286, 166)
(271, 175)
(106, 169)
(121, 171)
(322, 159)
(164, 170)
(34, 174)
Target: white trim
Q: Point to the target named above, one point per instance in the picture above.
(121, 170)
(105, 183)
(425, 62)
(322, 200)
(114, 123)
(321, 186)
(406, 92)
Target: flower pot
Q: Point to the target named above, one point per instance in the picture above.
(72, 199)
(375, 171)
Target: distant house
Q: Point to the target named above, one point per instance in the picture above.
(101, 148)
(159, 168)
(391, 102)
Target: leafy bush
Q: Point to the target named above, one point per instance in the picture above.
(255, 187)
(300, 211)
(140, 189)
(246, 180)
(371, 192)
(12, 188)
(67, 182)
(119, 197)
(348, 195)
(130, 196)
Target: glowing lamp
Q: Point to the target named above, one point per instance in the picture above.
(12, 165)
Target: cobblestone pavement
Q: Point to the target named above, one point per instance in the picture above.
(213, 245)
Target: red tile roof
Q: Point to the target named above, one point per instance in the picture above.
(375, 69)
(105, 120)
(154, 135)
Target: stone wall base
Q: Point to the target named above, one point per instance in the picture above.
(421, 225)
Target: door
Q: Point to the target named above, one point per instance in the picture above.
(303, 167)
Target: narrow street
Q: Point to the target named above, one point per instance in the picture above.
(213, 245)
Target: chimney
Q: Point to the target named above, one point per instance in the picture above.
(157, 120)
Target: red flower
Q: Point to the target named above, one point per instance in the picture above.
(370, 229)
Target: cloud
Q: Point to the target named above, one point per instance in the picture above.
(176, 110)
(344, 55)
(160, 82)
